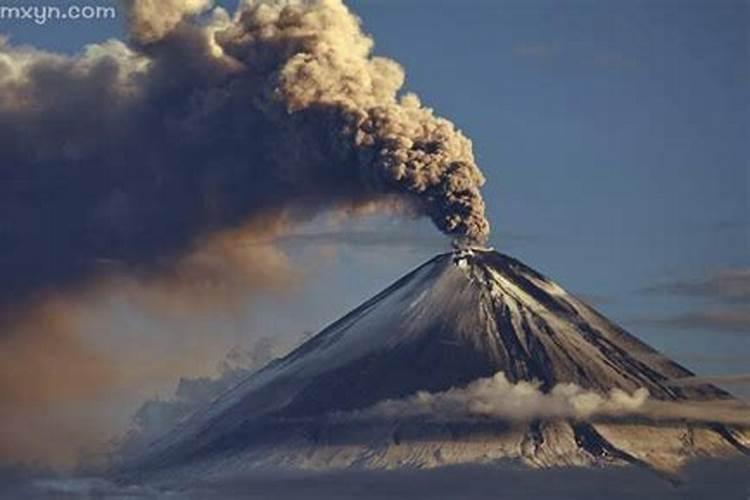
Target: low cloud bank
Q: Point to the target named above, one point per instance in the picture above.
(730, 288)
(497, 397)
(726, 284)
(701, 480)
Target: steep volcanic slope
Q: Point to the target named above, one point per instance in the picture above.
(459, 317)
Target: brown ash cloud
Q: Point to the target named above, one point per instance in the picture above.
(135, 152)
(144, 161)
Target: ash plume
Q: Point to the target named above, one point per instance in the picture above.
(132, 161)
(134, 152)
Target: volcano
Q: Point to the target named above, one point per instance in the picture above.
(461, 317)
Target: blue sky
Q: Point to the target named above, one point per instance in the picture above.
(613, 134)
(614, 137)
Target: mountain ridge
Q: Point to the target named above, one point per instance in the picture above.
(460, 317)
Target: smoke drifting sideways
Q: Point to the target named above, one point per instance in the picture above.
(129, 162)
(497, 398)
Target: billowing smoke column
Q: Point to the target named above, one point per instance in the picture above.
(204, 123)
(158, 165)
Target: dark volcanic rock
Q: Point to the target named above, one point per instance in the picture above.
(459, 317)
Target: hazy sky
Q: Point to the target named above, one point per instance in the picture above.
(614, 137)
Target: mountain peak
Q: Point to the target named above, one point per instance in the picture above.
(462, 316)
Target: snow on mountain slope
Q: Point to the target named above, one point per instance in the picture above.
(460, 317)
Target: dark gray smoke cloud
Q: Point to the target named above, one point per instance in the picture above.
(133, 153)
